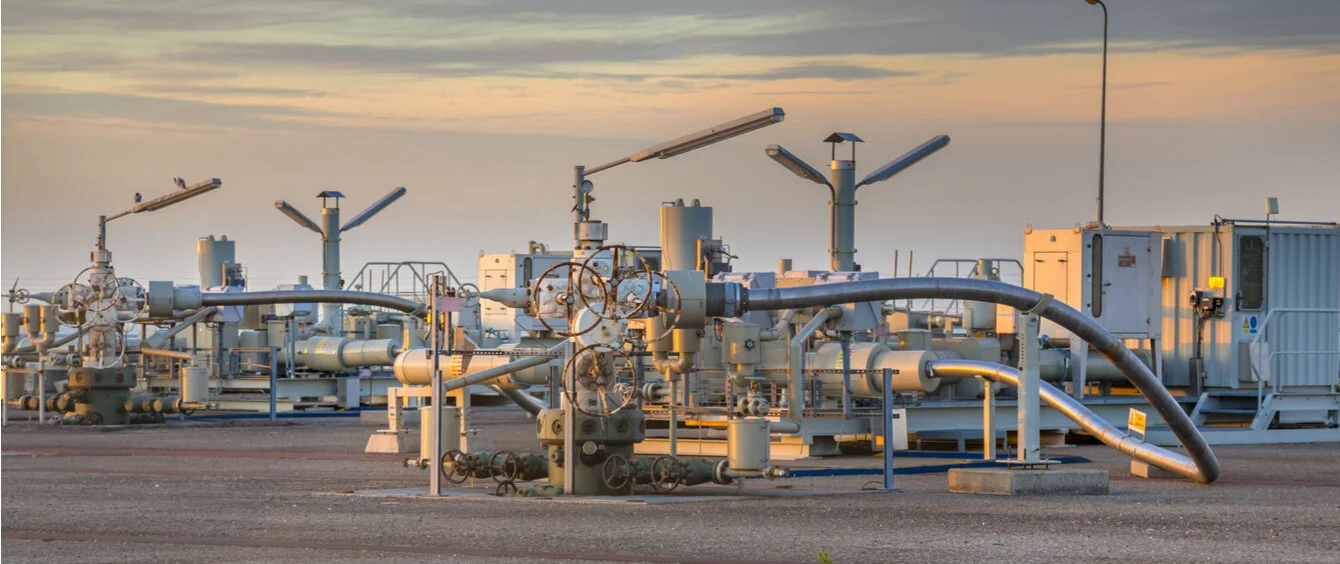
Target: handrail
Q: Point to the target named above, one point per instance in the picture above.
(1263, 374)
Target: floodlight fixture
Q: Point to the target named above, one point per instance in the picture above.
(372, 210)
(297, 216)
(912, 157)
(796, 165)
(185, 193)
(711, 135)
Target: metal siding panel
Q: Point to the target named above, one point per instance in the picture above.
(1304, 273)
(1194, 255)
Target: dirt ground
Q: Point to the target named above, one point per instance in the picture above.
(248, 491)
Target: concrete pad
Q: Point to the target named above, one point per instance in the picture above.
(1004, 481)
(386, 442)
(1146, 470)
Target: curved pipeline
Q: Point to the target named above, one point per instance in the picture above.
(313, 296)
(1018, 298)
(1072, 408)
(530, 403)
(26, 349)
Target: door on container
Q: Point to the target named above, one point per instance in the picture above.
(1125, 279)
(1051, 274)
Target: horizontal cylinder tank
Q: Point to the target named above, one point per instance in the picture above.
(414, 368)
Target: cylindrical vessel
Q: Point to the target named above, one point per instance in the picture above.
(682, 227)
(276, 333)
(449, 431)
(414, 368)
(248, 339)
(32, 318)
(389, 331)
(12, 323)
(381, 352)
(747, 444)
(211, 255)
(981, 316)
(910, 374)
(322, 353)
(194, 384)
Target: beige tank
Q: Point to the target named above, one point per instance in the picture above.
(414, 368)
(195, 384)
(747, 443)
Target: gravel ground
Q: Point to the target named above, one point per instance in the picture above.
(247, 492)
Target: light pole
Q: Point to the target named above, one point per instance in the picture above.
(1102, 120)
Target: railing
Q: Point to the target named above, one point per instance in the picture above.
(387, 278)
(1264, 369)
(954, 307)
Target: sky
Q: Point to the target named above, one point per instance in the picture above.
(481, 109)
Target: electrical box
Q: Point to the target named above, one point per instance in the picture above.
(1114, 277)
(511, 270)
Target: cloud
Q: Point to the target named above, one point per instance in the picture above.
(820, 70)
(464, 39)
(147, 110)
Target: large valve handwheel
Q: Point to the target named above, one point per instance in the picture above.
(619, 304)
(505, 489)
(469, 294)
(570, 298)
(105, 291)
(133, 297)
(454, 467)
(602, 383)
(666, 473)
(107, 344)
(617, 472)
(69, 301)
(504, 467)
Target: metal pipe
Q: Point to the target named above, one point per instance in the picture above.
(795, 361)
(1073, 409)
(25, 349)
(1018, 298)
(314, 296)
(484, 376)
(179, 355)
(157, 340)
(530, 403)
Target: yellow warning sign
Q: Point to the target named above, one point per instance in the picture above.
(1216, 282)
(1136, 422)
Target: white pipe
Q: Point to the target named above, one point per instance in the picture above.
(1013, 296)
(796, 361)
(1072, 408)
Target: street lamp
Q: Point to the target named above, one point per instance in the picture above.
(1102, 127)
(582, 188)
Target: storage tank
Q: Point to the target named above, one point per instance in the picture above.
(681, 228)
(195, 384)
(212, 254)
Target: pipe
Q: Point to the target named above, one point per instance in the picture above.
(1072, 408)
(57, 343)
(1018, 298)
(484, 376)
(179, 355)
(779, 329)
(795, 360)
(530, 403)
(157, 340)
(314, 296)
